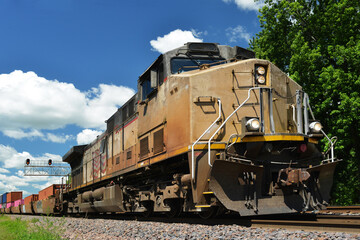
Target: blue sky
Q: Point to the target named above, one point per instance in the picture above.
(66, 66)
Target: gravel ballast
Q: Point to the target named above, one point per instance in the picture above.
(80, 228)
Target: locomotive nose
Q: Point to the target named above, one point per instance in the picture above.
(241, 188)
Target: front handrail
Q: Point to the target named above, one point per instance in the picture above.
(331, 141)
(196, 142)
(227, 119)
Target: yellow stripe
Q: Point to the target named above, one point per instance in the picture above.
(215, 146)
(271, 138)
(202, 206)
(208, 193)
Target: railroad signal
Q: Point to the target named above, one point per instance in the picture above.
(27, 162)
(50, 162)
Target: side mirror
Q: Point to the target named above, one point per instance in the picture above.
(153, 79)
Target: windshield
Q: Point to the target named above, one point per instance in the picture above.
(179, 65)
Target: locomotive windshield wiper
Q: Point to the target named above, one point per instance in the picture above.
(193, 59)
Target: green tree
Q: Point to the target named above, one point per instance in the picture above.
(318, 44)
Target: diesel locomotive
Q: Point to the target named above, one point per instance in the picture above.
(211, 129)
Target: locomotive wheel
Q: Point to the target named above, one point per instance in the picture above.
(209, 213)
(175, 208)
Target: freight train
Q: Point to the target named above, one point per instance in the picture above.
(212, 129)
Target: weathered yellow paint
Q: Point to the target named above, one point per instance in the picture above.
(270, 138)
(208, 193)
(313, 140)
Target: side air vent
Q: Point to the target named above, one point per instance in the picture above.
(159, 141)
(144, 147)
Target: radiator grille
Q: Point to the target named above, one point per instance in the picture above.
(159, 141)
(144, 147)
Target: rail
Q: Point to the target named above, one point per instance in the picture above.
(198, 140)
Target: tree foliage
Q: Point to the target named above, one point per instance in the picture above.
(318, 44)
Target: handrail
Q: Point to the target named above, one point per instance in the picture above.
(294, 113)
(331, 142)
(247, 99)
(192, 147)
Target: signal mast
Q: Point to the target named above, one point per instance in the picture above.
(46, 168)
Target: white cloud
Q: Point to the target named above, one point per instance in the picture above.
(174, 39)
(57, 138)
(3, 170)
(34, 133)
(10, 158)
(29, 104)
(237, 33)
(87, 136)
(247, 4)
(19, 134)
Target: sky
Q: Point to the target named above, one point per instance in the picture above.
(67, 65)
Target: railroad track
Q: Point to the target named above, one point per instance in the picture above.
(319, 222)
(342, 209)
(306, 222)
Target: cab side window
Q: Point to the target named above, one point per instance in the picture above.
(150, 80)
(146, 86)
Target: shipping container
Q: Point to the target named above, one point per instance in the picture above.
(7, 210)
(31, 198)
(3, 198)
(15, 209)
(18, 202)
(49, 191)
(38, 207)
(9, 205)
(29, 208)
(48, 206)
(13, 196)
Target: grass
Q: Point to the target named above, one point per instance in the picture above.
(34, 229)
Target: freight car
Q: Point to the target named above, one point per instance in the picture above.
(211, 129)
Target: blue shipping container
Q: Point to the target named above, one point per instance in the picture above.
(3, 197)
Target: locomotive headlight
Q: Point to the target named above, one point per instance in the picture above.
(260, 74)
(253, 124)
(315, 127)
(260, 70)
(261, 79)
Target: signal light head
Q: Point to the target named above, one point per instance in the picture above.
(27, 161)
(50, 162)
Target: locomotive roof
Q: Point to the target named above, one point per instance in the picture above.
(199, 49)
